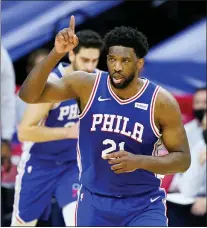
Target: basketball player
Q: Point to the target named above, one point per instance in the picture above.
(122, 119)
(49, 167)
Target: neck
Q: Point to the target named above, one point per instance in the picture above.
(69, 69)
(131, 90)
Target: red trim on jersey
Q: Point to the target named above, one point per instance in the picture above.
(76, 209)
(155, 149)
(154, 127)
(91, 96)
(18, 219)
(119, 100)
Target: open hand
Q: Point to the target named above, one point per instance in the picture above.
(66, 40)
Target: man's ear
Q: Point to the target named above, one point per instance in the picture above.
(71, 56)
(140, 64)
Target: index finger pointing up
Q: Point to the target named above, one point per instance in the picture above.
(72, 23)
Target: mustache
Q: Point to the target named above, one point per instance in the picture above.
(117, 73)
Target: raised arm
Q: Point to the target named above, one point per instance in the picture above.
(36, 89)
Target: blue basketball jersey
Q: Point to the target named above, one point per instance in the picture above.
(109, 124)
(63, 114)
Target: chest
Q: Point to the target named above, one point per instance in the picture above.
(129, 121)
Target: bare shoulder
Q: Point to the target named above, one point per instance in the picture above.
(166, 107)
(82, 84)
(165, 99)
(80, 81)
(80, 78)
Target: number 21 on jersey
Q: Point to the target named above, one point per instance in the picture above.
(112, 146)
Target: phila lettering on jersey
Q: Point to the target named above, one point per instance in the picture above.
(118, 125)
(109, 124)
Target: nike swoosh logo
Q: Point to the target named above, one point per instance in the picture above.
(103, 99)
(153, 200)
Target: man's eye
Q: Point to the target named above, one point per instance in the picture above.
(111, 59)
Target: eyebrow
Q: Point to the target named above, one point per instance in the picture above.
(87, 58)
(127, 57)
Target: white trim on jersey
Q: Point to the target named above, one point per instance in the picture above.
(76, 210)
(92, 96)
(52, 77)
(18, 183)
(152, 110)
(61, 68)
(79, 158)
(164, 203)
(131, 99)
(68, 212)
(97, 70)
(26, 146)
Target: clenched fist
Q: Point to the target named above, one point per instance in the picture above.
(66, 40)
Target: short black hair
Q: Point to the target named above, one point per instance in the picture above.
(128, 37)
(88, 39)
(32, 57)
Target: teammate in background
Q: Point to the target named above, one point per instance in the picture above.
(122, 119)
(33, 59)
(48, 164)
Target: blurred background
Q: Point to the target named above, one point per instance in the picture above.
(176, 32)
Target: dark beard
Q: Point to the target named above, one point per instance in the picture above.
(124, 84)
(199, 114)
(205, 135)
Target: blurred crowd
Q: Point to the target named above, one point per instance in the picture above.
(186, 192)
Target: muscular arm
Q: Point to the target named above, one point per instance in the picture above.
(168, 116)
(30, 128)
(36, 88)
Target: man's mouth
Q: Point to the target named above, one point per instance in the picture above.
(117, 78)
